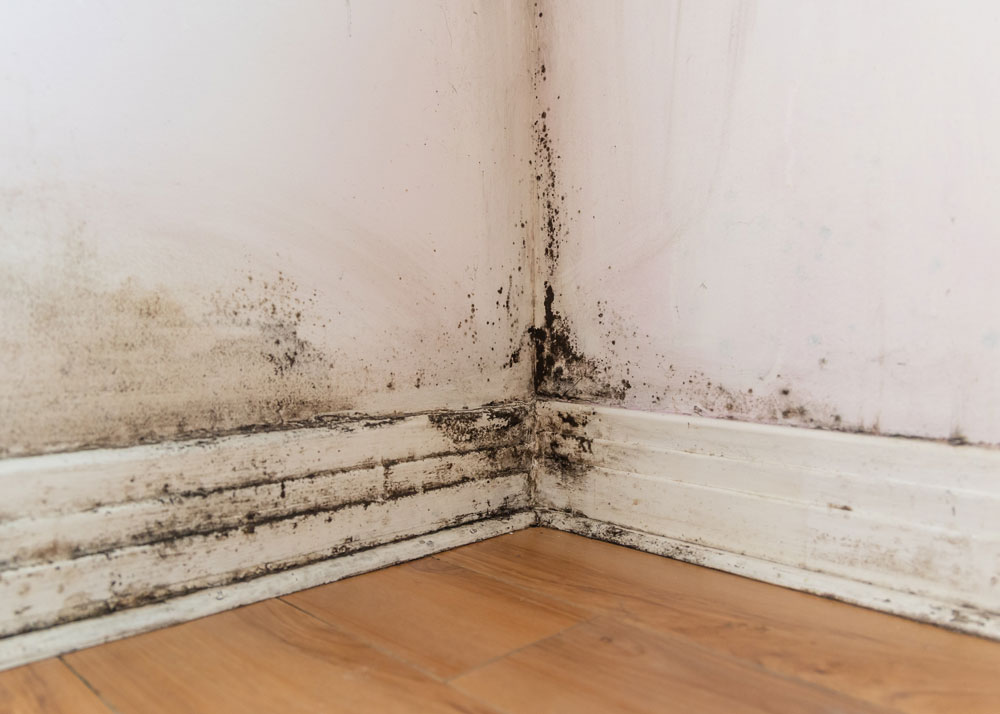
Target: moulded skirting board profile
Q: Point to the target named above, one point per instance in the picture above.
(105, 543)
(76, 635)
(905, 526)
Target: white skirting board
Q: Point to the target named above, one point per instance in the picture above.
(33, 646)
(99, 544)
(904, 526)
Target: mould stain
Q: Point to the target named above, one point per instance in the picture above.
(274, 310)
(93, 360)
(490, 446)
(577, 420)
(129, 597)
(485, 427)
(771, 402)
(566, 456)
(561, 369)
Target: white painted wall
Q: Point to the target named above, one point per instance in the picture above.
(783, 195)
(223, 214)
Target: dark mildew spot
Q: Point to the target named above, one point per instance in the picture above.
(482, 428)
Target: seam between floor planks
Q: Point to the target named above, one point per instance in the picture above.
(637, 621)
(104, 702)
(659, 634)
(360, 638)
(738, 662)
(381, 648)
(514, 651)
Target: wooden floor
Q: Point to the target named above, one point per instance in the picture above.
(536, 621)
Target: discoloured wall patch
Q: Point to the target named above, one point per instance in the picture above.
(125, 592)
(691, 233)
(135, 363)
(773, 401)
(565, 456)
(91, 362)
(855, 510)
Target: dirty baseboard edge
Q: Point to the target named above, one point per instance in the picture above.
(90, 533)
(61, 639)
(906, 526)
(914, 607)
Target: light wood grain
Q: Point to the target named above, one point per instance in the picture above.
(535, 621)
(908, 666)
(267, 657)
(47, 687)
(608, 666)
(441, 617)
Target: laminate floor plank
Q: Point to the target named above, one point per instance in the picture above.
(443, 618)
(534, 621)
(46, 687)
(908, 666)
(605, 665)
(267, 657)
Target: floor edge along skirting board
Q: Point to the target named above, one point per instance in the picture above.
(102, 544)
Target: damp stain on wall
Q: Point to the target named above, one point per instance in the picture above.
(338, 487)
(116, 363)
(96, 358)
(484, 427)
(561, 370)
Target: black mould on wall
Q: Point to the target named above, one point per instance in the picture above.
(484, 428)
(567, 456)
(129, 597)
(693, 392)
(275, 309)
(561, 369)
